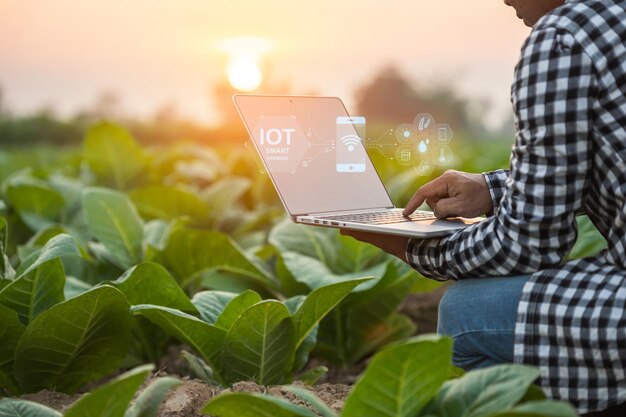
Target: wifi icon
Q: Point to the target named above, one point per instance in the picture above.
(350, 141)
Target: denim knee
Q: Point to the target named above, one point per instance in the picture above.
(480, 316)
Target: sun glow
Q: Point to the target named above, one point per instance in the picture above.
(244, 61)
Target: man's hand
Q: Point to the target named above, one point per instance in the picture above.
(394, 245)
(454, 194)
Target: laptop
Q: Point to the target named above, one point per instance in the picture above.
(314, 153)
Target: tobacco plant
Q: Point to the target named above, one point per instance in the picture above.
(410, 379)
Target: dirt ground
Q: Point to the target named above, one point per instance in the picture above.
(192, 394)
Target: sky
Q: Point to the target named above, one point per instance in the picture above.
(64, 53)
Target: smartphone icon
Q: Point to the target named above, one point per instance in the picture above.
(351, 154)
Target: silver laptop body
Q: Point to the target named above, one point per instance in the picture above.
(312, 149)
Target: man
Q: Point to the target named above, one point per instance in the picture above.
(516, 299)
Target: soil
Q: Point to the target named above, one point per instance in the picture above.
(190, 396)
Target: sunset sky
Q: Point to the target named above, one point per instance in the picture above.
(63, 53)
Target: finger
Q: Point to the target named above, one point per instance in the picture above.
(448, 207)
(435, 189)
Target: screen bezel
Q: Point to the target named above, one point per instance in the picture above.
(291, 100)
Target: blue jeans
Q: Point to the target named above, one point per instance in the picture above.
(480, 315)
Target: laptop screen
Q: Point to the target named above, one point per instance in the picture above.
(313, 151)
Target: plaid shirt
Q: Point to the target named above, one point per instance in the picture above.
(569, 98)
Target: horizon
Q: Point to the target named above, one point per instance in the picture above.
(157, 54)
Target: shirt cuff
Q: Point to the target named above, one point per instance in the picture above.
(422, 255)
(496, 181)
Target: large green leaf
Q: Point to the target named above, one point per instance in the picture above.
(150, 283)
(401, 379)
(74, 342)
(113, 220)
(111, 399)
(236, 307)
(318, 304)
(484, 392)
(11, 329)
(314, 242)
(191, 251)
(539, 409)
(36, 202)
(36, 291)
(10, 407)
(210, 304)
(149, 401)
(169, 202)
(60, 246)
(260, 345)
(112, 154)
(202, 337)
(241, 404)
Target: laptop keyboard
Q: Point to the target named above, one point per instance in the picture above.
(381, 217)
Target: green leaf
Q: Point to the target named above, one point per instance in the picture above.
(60, 246)
(236, 307)
(156, 233)
(252, 405)
(313, 375)
(169, 202)
(36, 202)
(483, 392)
(210, 304)
(10, 407)
(36, 291)
(311, 399)
(355, 256)
(401, 379)
(315, 274)
(4, 261)
(111, 399)
(113, 220)
(318, 304)
(199, 368)
(392, 329)
(11, 329)
(149, 401)
(222, 195)
(369, 313)
(112, 154)
(260, 345)
(203, 250)
(74, 287)
(74, 342)
(202, 337)
(314, 242)
(589, 242)
(539, 409)
(150, 283)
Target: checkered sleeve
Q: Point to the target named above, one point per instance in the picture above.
(534, 227)
(496, 181)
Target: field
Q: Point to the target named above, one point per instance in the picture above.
(133, 276)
